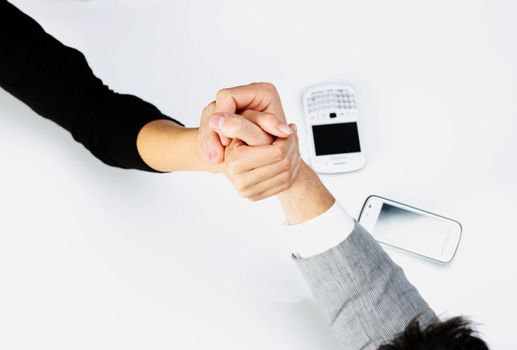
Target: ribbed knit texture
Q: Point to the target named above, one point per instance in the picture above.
(365, 296)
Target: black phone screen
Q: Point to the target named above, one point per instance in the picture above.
(336, 138)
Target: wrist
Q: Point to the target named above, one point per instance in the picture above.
(166, 146)
(306, 198)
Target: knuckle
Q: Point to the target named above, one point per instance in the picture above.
(223, 93)
(286, 164)
(269, 118)
(250, 194)
(240, 186)
(268, 86)
(279, 153)
(253, 197)
(233, 124)
(285, 177)
(244, 195)
(209, 107)
(233, 167)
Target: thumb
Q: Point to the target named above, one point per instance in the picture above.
(237, 127)
(212, 148)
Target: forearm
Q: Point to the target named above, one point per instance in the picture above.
(363, 294)
(166, 146)
(361, 291)
(307, 198)
(57, 82)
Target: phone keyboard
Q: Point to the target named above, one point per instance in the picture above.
(331, 103)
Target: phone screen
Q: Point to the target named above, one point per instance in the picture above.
(422, 234)
(336, 138)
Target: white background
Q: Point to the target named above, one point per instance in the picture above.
(93, 257)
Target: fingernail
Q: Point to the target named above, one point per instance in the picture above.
(285, 129)
(294, 127)
(223, 139)
(217, 121)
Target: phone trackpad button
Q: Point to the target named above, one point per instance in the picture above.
(339, 161)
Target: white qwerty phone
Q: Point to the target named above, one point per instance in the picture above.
(331, 118)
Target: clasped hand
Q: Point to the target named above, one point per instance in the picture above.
(244, 131)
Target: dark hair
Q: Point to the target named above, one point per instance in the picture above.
(454, 334)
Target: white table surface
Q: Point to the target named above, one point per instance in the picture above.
(93, 257)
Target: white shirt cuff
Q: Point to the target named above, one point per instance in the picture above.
(321, 233)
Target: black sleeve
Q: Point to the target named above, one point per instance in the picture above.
(57, 83)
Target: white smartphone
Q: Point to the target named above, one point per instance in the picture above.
(411, 229)
(331, 117)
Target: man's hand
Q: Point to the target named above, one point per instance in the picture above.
(245, 100)
(262, 171)
(257, 166)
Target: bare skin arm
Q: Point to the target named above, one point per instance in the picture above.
(259, 170)
(166, 146)
(307, 197)
(301, 193)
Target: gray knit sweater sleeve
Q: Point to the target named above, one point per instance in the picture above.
(362, 292)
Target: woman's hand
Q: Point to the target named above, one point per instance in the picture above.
(258, 165)
(244, 100)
